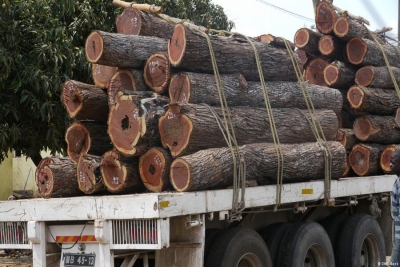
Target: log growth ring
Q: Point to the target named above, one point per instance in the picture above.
(355, 95)
(341, 27)
(157, 72)
(180, 175)
(326, 45)
(85, 176)
(94, 47)
(72, 98)
(177, 45)
(365, 76)
(179, 88)
(325, 18)
(45, 182)
(363, 128)
(356, 49)
(78, 141)
(384, 161)
(129, 22)
(122, 80)
(331, 74)
(359, 160)
(102, 74)
(114, 174)
(151, 168)
(301, 38)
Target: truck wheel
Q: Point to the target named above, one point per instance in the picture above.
(272, 236)
(239, 247)
(333, 225)
(211, 235)
(361, 242)
(306, 244)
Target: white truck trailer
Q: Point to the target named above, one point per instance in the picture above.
(353, 227)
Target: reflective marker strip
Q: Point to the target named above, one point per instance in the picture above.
(73, 239)
(307, 191)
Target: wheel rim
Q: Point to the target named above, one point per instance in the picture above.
(249, 260)
(315, 257)
(369, 252)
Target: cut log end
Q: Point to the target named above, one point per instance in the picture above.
(175, 130)
(45, 182)
(355, 96)
(122, 80)
(362, 128)
(94, 47)
(129, 22)
(325, 18)
(86, 176)
(179, 88)
(78, 141)
(125, 125)
(356, 49)
(359, 160)
(177, 45)
(301, 38)
(102, 74)
(157, 72)
(314, 73)
(180, 175)
(365, 76)
(341, 137)
(341, 27)
(72, 98)
(397, 117)
(152, 169)
(331, 74)
(384, 161)
(114, 174)
(326, 45)
(303, 57)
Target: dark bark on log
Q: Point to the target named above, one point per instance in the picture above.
(133, 122)
(189, 49)
(314, 72)
(325, 17)
(89, 175)
(157, 72)
(126, 80)
(373, 100)
(120, 174)
(307, 40)
(364, 159)
(154, 169)
(102, 74)
(85, 101)
(274, 41)
(58, 179)
(346, 119)
(339, 74)
(87, 137)
(332, 47)
(300, 162)
(197, 88)
(188, 128)
(366, 52)
(347, 138)
(377, 129)
(346, 28)
(377, 77)
(122, 50)
(384, 161)
(397, 118)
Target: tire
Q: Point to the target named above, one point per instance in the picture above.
(211, 235)
(272, 236)
(306, 244)
(361, 243)
(239, 247)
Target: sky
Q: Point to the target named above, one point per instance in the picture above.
(256, 17)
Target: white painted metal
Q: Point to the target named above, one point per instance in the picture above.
(38, 249)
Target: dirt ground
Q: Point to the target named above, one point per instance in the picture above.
(15, 258)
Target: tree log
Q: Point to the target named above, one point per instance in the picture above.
(339, 74)
(332, 47)
(386, 154)
(102, 74)
(122, 50)
(346, 28)
(307, 40)
(314, 72)
(346, 119)
(120, 174)
(87, 137)
(133, 122)
(157, 72)
(185, 129)
(364, 158)
(397, 118)
(300, 163)
(348, 171)
(126, 80)
(41, 179)
(189, 49)
(85, 101)
(274, 41)
(366, 52)
(154, 169)
(57, 178)
(377, 77)
(347, 138)
(89, 175)
(325, 17)
(373, 100)
(197, 88)
(377, 129)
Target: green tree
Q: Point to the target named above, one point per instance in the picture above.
(42, 45)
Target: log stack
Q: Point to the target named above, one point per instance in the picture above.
(355, 64)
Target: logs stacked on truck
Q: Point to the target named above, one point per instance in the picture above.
(126, 139)
(344, 54)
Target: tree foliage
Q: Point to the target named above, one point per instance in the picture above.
(42, 45)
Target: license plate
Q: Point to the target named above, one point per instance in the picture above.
(75, 259)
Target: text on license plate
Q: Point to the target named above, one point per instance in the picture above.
(75, 259)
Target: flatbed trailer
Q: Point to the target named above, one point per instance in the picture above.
(186, 229)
